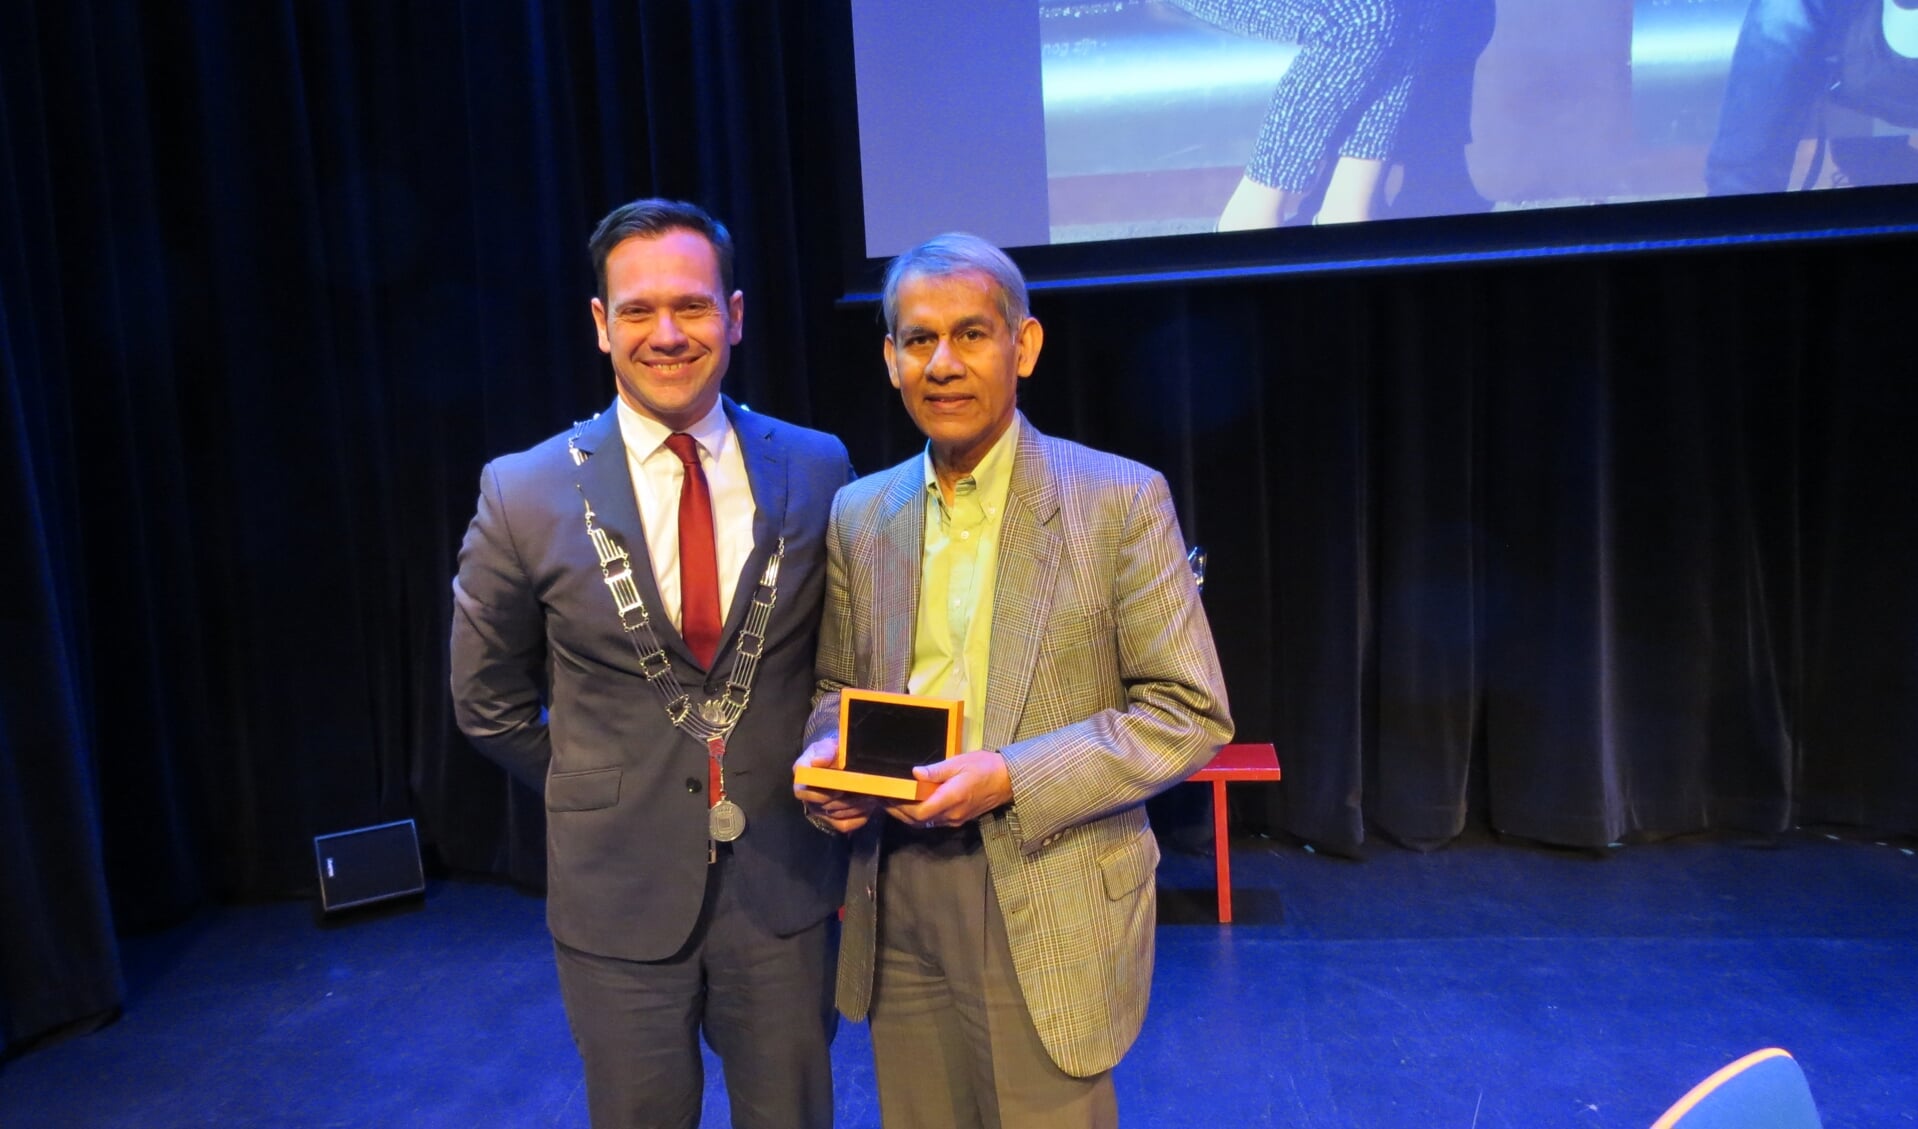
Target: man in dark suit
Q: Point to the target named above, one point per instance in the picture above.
(637, 610)
(1003, 949)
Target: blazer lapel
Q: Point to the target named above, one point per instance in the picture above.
(766, 472)
(1030, 546)
(896, 574)
(607, 485)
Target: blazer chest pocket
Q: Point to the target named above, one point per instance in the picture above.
(582, 791)
(1077, 629)
(1078, 665)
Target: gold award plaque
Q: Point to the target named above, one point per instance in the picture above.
(881, 737)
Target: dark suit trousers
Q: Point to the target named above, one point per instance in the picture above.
(763, 1002)
(953, 1044)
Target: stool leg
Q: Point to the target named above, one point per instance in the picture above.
(1222, 851)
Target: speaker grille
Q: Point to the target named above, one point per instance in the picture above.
(368, 864)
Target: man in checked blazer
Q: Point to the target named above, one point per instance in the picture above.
(999, 934)
(660, 933)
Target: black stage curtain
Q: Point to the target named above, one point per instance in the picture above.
(1594, 550)
(1583, 551)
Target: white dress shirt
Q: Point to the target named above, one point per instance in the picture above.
(657, 474)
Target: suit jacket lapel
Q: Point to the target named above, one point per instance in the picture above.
(766, 472)
(1030, 545)
(901, 550)
(607, 484)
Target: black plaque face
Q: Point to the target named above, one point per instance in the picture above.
(889, 738)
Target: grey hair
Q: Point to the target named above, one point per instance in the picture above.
(956, 252)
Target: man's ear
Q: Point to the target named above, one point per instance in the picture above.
(1031, 338)
(736, 308)
(892, 362)
(599, 319)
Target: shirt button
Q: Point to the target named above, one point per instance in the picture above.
(964, 534)
(693, 785)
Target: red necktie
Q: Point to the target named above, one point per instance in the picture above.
(698, 566)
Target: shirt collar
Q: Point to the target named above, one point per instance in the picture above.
(995, 467)
(643, 434)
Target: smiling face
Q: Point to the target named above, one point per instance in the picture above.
(957, 364)
(667, 325)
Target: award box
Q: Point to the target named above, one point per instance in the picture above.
(881, 737)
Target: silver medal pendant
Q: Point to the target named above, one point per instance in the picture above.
(726, 821)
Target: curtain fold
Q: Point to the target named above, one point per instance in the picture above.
(59, 966)
(1583, 551)
(1857, 608)
(1426, 567)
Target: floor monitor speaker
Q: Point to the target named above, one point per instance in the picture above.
(369, 864)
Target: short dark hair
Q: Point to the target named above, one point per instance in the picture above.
(652, 218)
(956, 252)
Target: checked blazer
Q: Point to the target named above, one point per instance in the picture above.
(1103, 689)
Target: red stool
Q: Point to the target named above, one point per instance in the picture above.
(1234, 762)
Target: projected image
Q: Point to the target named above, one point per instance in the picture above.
(1167, 117)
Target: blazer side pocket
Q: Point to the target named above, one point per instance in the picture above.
(1130, 866)
(582, 791)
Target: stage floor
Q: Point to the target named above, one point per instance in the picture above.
(1485, 985)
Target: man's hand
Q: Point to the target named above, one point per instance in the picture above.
(845, 811)
(970, 785)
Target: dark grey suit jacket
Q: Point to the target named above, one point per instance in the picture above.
(547, 683)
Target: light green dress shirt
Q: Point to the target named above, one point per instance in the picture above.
(952, 641)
